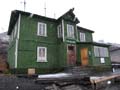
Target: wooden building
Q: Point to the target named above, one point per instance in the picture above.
(47, 44)
(115, 53)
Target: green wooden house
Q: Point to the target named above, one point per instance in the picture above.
(47, 44)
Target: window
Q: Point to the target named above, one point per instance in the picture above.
(42, 29)
(100, 51)
(82, 37)
(59, 28)
(41, 54)
(70, 31)
(96, 51)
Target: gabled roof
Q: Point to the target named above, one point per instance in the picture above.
(85, 29)
(15, 15)
(73, 17)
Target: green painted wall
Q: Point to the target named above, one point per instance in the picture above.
(88, 35)
(56, 48)
(29, 41)
(11, 55)
(12, 46)
(62, 55)
(96, 60)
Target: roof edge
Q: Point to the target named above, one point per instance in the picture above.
(85, 29)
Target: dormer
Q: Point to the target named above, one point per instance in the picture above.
(68, 23)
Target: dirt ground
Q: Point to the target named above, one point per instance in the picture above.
(15, 83)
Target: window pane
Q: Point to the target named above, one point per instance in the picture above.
(106, 52)
(96, 51)
(70, 31)
(59, 28)
(82, 37)
(101, 49)
(42, 29)
(41, 54)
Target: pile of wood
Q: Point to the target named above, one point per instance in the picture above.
(4, 66)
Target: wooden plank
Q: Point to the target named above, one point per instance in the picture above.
(104, 78)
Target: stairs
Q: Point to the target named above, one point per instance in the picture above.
(79, 70)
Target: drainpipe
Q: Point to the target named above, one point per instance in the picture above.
(63, 30)
(17, 41)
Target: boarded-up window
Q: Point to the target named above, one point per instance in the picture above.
(82, 37)
(59, 28)
(70, 31)
(41, 54)
(42, 29)
(101, 51)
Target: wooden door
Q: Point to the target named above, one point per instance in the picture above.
(84, 56)
(71, 55)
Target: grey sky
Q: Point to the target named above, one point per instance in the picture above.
(101, 16)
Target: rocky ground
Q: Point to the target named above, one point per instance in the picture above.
(15, 83)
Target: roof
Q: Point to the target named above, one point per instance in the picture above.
(70, 12)
(112, 49)
(85, 29)
(15, 15)
(14, 18)
(95, 43)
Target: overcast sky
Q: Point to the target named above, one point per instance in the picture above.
(101, 16)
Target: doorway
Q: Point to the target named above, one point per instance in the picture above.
(84, 56)
(71, 55)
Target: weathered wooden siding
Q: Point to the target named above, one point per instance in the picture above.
(62, 55)
(96, 62)
(11, 56)
(12, 47)
(56, 47)
(88, 35)
(29, 41)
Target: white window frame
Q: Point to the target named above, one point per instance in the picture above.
(42, 26)
(41, 59)
(82, 37)
(70, 32)
(59, 31)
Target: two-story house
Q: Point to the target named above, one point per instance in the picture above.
(47, 44)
